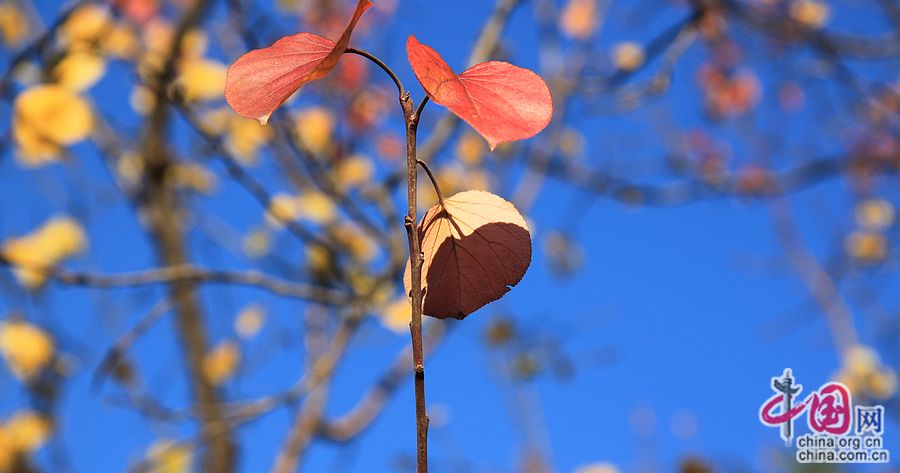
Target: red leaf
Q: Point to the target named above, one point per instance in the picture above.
(261, 80)
(501, 101)
(475, 247)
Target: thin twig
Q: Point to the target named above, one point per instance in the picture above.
(187, 273)
(437, 188)
(382, 65)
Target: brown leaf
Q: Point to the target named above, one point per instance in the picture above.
(475, 248)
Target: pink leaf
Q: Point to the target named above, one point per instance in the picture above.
(475, 248)
(501, 101)
(261, 80)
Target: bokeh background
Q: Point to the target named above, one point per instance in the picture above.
(713, 202)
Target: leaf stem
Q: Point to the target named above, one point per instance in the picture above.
(378, 62)
(437, 188)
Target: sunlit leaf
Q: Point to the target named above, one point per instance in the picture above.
(867, 247)
(811, 13)
(874, 214)
(79, 71)
(600, 467)
(578, 19)
(316, 207)
(476, 248)
(47, 117)
(27, 430)
(201, 79)
(500, 101)
(314, 127)
(166, 456)
(864, 373)
(353, 171)
(627, 56)
(250, 321)
(470, 149)
(220, 363)
(14, 24)
(57, 239)
(396, 315)
(26, 348)
(262, 79)
(85, 25)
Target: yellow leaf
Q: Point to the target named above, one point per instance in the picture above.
(246, 137)
(470, 149)
(864, 373)
(867, 247)
(26, 348)
(282, 208)
(195, 42)
(220, 363)
(85, 25)
(811, 13)
(47, 116)
(142, 100)
(874, 214)
(318, 259)
(314, 127)
(130, 167)
(601, 467)
(353, 171)
(59, 238)
(121, 42)
(201, 80)
(27, 430)
(7, 451)
(257, 243)
(194, 177)
(361, 247)
(78, 71)
(579, 19)
(396, 315)
(628, 56)
(14, 25)
(316, 207)
(166, 456)
(250, 321)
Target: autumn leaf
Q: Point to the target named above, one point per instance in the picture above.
(46, 118)
(476, 246)
(59, 238)
(579, 19)
(79, 71)
(500, 101)
(27, 349)
(396, 315)
(166, 456)
(250, 321)
(261, 80)
(27, 430)
(221, 362)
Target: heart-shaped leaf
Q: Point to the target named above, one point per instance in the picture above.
(476, 246)
(501, 101)
(261, 80)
